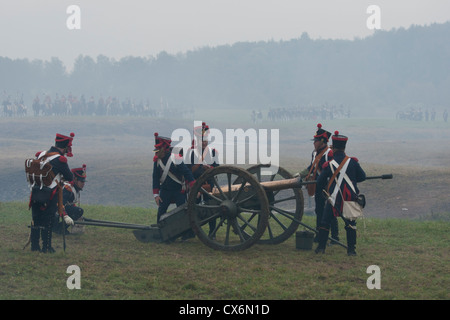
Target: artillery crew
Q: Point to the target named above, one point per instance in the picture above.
(44, 199)
(171, 176)
(342, 187)
(334, 174)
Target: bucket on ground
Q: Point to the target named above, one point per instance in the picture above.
(304, 240)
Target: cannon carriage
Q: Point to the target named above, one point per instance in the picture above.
(230, 209)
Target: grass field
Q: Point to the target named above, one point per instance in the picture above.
(413, 258)
(405, 233)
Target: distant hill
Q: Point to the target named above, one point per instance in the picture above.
(390, 69)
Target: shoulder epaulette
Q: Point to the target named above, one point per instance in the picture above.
(63, 159)
(330, 153)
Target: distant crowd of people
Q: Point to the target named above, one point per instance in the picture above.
(13, 107)
(305, 113)
(113, 106)
(72, 105)
(420, 115)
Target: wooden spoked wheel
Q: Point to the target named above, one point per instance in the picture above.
(226, 215)
(286, 207)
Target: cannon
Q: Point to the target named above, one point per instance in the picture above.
(230, 209)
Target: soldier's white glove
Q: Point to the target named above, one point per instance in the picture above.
(68, 220)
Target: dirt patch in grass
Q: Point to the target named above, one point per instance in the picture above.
(118, 153)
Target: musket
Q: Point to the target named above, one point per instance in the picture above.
(362, 201)
(383, 176)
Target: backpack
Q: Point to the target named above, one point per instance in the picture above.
(39, 171)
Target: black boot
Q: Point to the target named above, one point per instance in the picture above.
(351, 240)
(56, 225)
(323, 237)
(212, 227)
(319, 215)
(46, 234)
(34, 238)
(316, 238)
(57, 228)
(334, 231)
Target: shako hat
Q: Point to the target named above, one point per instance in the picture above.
(161, 142)
(321, 134)
(339, 141)
(62, 141)
(80, 173)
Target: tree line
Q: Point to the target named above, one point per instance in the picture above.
(390, 68)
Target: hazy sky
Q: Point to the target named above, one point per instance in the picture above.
(37, 29)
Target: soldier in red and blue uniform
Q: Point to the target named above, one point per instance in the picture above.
(71, 199)
(201, 158)
(44, 201)
(355, 174)
(322, 153)
(170, 176)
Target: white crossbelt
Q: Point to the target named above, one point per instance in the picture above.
(342, 175)
(166, 171)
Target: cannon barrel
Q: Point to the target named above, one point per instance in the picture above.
(286, 184)
(268, 185)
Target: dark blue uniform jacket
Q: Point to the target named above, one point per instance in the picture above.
(354, 172)
(178, 170)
